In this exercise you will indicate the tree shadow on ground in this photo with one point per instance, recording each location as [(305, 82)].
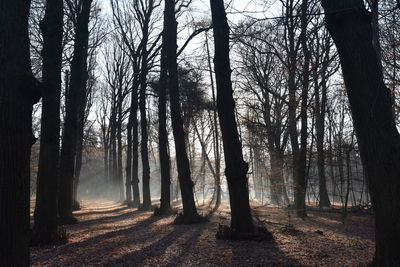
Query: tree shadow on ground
[(112, 218), (94, 247), (167, 250), (81, 213), (351, 227), (253, 253)]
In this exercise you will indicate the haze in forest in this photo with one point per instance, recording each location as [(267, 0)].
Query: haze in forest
[(233, 117)]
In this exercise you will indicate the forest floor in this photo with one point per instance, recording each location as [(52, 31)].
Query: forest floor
[(109, 234)]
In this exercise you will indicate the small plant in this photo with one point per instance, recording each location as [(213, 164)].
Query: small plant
[(288, 227), (354, 241)]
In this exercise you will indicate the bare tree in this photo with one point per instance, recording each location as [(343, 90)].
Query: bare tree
[(46, 229), (74, 95), (242, 226), (19, 91), (371, 107), (190, 214)]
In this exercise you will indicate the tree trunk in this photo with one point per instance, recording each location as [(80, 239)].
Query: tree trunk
[(129, 150), (144, 150), (165, 201), (45, 231), (128, 168), (217, 155), (78, 164), (236, 168), (300, 177), (113, 149), (19, 91), (370, 103), (320, 108), (120, 175), (77, 83), (79, 148), (277, 186), (105, 156), (184, 176), (135, 157)]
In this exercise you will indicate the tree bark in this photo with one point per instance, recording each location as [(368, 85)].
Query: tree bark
[(46, 227), (301, 166), (370, 101), (120, 177), (236, 167), (77, 83), (217, 155), (19, 91), (144, 150), (165, 201), (135, 157), (79, 148), (129, 150), (320, 110), (277, 186), (182, 161)]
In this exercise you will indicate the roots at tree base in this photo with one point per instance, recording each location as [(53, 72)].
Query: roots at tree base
[(141, 207), (260, 234), (182, 218), (130, 204), (67, 220), (165, 211), (127, 203), (76, 206), (54, 238)]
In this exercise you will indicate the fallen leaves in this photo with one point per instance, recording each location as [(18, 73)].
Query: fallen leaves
[(111, 235)]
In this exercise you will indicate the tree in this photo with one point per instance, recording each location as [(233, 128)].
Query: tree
[(19, 91), (216, 143), (242, 225), (300, 153), (165, 166), (77, 88), (144, 19), (322, 69), (371, 107), (141, 47), (263, 79), (190, 214), (46, 229)]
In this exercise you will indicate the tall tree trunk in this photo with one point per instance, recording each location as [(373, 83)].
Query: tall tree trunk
[(186, 185), (46, 230), (113, 150), (300, 177), (217, 154), (144, 150), (165, 201), (129, 150), (79, 148), (119, 151), (19, 91), (77, 83), (236, 168), (277, 187), (78, 163), (135, 157), (370, 103), (105, 139), (320, 108), (132, 182), (292, 116)]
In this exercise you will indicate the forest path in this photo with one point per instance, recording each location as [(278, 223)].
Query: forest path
[(109, 234)]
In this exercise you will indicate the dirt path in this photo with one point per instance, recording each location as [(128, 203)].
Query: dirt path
[(111, 235)]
